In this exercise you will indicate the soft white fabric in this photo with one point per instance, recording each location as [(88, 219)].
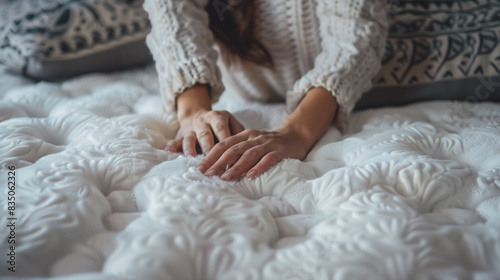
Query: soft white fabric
[(407, 193), (334, 44)]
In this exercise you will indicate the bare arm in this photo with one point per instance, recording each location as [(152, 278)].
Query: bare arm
[(193, 100), (312, 117)]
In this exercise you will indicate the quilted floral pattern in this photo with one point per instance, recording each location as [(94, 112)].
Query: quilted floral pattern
[(407, 193)]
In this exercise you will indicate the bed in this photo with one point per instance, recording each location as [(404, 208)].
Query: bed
[(407, 192)]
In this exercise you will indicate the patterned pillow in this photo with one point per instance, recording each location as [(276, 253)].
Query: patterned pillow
[(50, 39), (439, 50)]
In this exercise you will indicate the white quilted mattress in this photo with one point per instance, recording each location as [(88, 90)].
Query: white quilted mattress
[(405, 193)]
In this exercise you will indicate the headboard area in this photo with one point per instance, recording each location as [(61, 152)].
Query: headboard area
[(439, 50)]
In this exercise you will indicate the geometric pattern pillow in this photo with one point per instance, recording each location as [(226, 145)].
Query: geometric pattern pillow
[(56, 34), (434, 46)]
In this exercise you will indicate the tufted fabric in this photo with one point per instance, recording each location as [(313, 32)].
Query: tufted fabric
[(407, 193)]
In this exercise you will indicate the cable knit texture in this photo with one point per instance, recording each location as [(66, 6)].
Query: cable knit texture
[(332, 44)]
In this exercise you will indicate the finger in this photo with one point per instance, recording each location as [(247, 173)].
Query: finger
[(229, 158), (174, 146), (189, 144), (268, 161), (248, 160), (216, 152), (235, 125), (220, 127), (205, 138)]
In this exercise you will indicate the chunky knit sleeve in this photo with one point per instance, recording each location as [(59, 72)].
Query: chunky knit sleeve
[(182, 46), (353, 35)]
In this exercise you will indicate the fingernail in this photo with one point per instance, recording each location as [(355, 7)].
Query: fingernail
[(210, 173), (201, 168), (227, 176), (252, 175)]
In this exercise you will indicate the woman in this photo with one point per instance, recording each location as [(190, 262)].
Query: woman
[(317, 55)]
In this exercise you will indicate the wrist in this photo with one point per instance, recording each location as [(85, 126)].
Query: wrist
[(311, 118), (298, 133), (191, 113), (193, 101)]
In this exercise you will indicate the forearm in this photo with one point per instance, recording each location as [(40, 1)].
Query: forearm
[(312, 117)]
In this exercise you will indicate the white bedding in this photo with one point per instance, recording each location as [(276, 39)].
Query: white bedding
[(405, 193)]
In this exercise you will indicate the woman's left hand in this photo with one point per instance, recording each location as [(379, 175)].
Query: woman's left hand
[(252, 152)]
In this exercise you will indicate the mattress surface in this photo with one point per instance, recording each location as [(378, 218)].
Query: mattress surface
[(404, 193)]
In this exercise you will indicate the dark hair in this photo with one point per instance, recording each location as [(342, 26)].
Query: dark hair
[(237, 36)]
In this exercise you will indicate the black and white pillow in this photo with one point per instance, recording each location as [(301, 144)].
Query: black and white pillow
[(56, 39), (439, 50)]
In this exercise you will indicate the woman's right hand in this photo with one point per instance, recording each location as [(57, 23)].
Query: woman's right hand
[(203, 128), (199, 124)]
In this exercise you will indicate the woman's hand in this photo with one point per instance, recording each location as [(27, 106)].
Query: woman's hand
[(252, 152), (199, 125), (203, 128)]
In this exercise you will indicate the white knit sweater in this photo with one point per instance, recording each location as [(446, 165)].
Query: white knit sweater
[(334, 44)]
